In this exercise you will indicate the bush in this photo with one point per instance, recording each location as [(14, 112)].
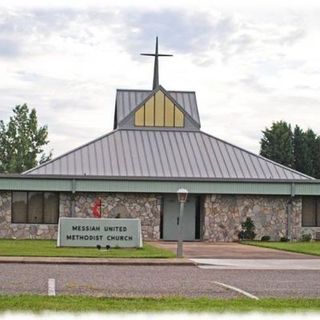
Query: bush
[(247, 232), (306, 237), (284, 239), (265, 238)]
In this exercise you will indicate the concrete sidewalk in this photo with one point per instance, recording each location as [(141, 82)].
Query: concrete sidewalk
[(230, 250), (99, 261), (258, 264)]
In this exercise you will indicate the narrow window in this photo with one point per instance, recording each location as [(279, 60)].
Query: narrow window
[(149, 112), (178, 118), (169, 113), (51, 207), (159, 109), (19, 207), (318, 212), (35, 207), (139, 117), (310, 212)]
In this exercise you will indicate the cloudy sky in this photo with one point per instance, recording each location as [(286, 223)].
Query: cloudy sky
[(249, 65)]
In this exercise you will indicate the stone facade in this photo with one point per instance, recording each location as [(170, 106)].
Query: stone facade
[(10, 230), (223, 215), (220, 219), (144, 206), (147, 207)]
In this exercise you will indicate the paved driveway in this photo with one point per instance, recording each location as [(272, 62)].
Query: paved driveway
[(222, 250)]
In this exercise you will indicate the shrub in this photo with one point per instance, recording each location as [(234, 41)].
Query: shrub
[(284, 239), (265, 238), (306, 237), (247, 232)]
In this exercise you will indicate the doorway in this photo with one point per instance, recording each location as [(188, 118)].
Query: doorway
[(170, 218)]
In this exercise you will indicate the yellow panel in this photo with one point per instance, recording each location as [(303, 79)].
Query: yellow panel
[(159, 109), (139, 117), (149, 106), (178, 118), (169, 113)]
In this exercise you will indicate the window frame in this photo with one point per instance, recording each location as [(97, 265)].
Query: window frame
[(316, 201), (143, 123), (43, 205)]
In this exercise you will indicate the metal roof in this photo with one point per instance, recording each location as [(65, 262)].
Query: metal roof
[(128, 100), (170, 154)]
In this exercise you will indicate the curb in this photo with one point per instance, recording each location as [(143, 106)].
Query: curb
[(99, 261)]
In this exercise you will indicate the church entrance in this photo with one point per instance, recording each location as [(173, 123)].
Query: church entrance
[(170, 218)]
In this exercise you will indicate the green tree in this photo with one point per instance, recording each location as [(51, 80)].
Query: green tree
[(22, 141), (277, 143), (317, 158), (310, 140), (300, 150)]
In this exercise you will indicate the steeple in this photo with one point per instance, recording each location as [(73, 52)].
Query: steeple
[(156, 56)]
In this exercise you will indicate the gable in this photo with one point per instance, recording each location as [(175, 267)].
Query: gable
[(159, 111), (128, 100)]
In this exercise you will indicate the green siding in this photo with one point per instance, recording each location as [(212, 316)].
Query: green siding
[(35, 184), (86, 185)]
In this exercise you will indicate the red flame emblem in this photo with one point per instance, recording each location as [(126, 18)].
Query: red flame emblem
[(96, 210)]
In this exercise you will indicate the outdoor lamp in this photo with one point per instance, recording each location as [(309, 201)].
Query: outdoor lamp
[(182, 195), (182, 198)]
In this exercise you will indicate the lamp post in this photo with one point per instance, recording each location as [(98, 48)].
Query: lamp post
[(182, 198)]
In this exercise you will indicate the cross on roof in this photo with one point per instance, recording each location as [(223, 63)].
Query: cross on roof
[(156, 55)]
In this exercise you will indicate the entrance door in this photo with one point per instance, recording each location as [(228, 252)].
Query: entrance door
[(171, 208)]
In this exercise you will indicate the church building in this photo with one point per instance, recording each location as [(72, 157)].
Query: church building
[(134, 171)]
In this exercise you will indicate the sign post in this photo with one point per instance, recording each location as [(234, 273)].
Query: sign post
[(182, 198)]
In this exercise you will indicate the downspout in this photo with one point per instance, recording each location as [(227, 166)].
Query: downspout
[(73, 188), (289, 211)]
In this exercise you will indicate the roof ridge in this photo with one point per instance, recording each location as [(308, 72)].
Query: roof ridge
[(258, 155)]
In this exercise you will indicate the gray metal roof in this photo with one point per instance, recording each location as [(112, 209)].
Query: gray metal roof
[(128, 100), (166, 154)]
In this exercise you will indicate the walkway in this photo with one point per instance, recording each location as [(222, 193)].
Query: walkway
[(227, 250)]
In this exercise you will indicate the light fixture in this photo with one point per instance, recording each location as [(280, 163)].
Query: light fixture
[(182, 195)]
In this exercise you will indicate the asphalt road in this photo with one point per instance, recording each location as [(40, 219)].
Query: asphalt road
[(156, 281)]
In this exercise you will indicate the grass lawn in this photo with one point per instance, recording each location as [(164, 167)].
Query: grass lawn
[(36, 303), (300, 247), (47, 248)]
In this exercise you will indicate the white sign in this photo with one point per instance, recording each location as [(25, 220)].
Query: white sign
[(91, 232)]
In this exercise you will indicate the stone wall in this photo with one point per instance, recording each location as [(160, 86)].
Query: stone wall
[(147, 207), (144, 206), (10, 230), (223, 215), (220, 219)]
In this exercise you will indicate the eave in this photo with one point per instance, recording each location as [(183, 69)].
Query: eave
[(104, 184)]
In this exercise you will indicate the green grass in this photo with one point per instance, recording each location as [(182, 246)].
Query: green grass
[(36, 303), (47, 248), (300, 247)]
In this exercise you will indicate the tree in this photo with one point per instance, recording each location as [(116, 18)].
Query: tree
[(277, 143), (317, 158), (300, 150), (310, 140), (22, 141)]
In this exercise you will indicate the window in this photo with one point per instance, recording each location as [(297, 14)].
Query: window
[(19, 207), (159, 111), (35, 207), (311, 212)]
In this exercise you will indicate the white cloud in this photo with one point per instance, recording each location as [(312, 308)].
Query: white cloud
[(249, 65)]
